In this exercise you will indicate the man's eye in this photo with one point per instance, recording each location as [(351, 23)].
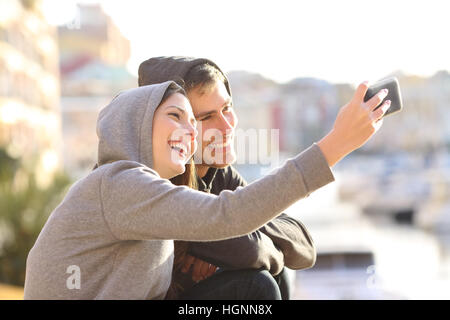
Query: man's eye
[(176, 115), (227, 108), (205, 118)]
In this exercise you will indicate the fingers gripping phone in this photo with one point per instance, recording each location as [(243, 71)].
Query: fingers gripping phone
[(394, 94)]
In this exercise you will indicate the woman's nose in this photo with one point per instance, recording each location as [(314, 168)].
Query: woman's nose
[(192, 131)]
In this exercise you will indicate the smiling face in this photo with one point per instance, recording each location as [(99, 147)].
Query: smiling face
[(213, 109), (174, 132)]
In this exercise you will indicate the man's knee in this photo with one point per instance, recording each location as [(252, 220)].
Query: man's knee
[(264, 285)]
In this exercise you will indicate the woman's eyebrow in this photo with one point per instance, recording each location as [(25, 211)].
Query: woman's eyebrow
[(182, 111), (177, 107)]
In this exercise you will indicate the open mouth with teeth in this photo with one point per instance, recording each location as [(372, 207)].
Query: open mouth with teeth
[(180, 148), (220, 145)]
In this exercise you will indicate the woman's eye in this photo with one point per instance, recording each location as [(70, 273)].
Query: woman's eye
[(176, 115)]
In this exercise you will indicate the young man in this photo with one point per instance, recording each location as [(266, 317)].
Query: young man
[(252, 266)]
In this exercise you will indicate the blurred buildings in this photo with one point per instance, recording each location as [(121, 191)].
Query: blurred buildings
[(391, 197), (402, 174), (29, 87), (93, 61), (38, 95), (302, 109), (305, 109)]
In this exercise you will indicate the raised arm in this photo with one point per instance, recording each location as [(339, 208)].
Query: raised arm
[(137, 204)]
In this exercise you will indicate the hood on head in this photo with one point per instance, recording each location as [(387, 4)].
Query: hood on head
[(124, 127), (160, 69)]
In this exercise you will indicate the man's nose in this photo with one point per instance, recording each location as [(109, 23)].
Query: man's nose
[(225, 123)]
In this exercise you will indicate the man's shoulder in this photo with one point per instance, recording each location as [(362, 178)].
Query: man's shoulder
[(227, 172), (227, 178)]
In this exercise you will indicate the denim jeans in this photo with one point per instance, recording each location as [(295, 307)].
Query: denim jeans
[(247, 284)]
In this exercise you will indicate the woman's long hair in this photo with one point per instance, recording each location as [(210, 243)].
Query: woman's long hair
[(188, 178)]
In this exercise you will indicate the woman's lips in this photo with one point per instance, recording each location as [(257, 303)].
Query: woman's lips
[(181, 148)]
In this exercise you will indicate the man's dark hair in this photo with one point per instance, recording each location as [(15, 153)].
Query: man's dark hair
[(202, 77), (190, 73)]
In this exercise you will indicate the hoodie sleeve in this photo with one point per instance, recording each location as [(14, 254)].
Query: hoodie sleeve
[(252, 251), (283, 241), (138, 205), (293, 239)]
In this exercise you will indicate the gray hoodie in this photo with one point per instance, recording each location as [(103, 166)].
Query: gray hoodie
[(112, 235)]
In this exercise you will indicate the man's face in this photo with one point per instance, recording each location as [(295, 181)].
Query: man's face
[(216, 121)]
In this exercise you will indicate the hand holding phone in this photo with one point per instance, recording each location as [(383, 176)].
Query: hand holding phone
[(394, 94), (356, 122)]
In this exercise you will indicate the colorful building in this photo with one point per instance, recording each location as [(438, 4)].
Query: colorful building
[(93, 58), (30, 125)]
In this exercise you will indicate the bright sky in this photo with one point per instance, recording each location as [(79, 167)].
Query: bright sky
[(339, 41)]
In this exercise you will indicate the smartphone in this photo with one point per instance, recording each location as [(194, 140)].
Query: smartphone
[(394, 94)]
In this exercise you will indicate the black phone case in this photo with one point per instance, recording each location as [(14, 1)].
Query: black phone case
[(394, 94)]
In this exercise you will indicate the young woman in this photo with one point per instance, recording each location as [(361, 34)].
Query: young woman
[(112, 235)]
